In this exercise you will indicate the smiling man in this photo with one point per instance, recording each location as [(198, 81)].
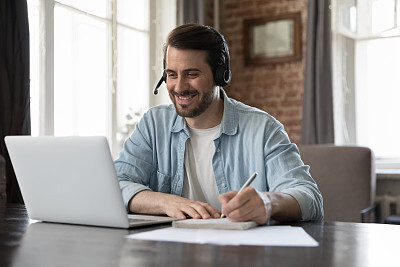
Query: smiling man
[(190, 158), (192, 89)]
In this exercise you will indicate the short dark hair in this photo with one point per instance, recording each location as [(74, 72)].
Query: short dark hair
[(198, 37)]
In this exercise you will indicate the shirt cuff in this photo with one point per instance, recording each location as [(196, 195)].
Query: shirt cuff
[(129, 190)]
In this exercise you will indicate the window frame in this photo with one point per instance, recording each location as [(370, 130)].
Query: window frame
[(346, 50), (158, 29)]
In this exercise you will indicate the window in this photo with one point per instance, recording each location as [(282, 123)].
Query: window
[(366, 37), (94, 64)]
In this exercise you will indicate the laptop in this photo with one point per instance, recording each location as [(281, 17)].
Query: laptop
[(71, 180)]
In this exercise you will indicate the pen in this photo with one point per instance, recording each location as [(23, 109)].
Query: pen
[(246, 184)]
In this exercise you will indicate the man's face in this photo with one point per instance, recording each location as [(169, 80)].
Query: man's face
[(190, 82)]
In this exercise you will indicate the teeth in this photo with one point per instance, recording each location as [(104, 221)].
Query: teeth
[(185, 98)]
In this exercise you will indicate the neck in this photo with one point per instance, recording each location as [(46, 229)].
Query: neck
[(209, 118)]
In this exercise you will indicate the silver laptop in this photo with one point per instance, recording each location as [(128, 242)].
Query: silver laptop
[(71, 180)]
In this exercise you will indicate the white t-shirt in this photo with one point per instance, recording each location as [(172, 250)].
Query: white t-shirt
[(199, 181)]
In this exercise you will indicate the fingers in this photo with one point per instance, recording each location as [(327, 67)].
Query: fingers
[(231, 201), (214, 213), (225, 198), (179, 207), (197, 210), (201, 210), (247, 206), (252, 210)]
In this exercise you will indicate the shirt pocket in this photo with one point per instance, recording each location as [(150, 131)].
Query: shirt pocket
[(164, 183)]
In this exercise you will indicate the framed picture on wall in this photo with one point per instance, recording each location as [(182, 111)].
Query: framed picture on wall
[(274, 39)]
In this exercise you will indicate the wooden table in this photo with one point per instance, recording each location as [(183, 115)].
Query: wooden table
[(47, 244)]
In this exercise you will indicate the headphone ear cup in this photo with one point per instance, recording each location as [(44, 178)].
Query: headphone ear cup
[(222, 76), (219, 76)]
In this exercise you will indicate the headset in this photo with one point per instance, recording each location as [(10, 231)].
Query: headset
[(222, 75)]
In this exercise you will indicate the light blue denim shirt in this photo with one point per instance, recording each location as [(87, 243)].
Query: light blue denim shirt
[(249, 140)]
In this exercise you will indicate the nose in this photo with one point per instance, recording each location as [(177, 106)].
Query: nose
[(178, 84)]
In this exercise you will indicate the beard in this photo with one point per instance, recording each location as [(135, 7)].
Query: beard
[(191, 112)]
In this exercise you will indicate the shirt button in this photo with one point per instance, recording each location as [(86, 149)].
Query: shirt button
[(223, 185), (218, 149)]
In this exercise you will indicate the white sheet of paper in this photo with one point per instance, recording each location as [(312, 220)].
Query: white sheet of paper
[(259, 236)]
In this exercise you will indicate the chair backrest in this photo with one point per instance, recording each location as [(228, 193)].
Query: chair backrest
[(346, 177)]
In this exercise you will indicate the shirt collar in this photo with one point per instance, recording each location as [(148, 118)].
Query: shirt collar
[(229, 123)]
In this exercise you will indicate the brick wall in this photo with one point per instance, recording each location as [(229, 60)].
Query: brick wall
[(275, 88)]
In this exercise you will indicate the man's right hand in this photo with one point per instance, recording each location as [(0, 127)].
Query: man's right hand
[(155, 203)]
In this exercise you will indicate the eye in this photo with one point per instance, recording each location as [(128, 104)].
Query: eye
[(192, 74), (171, 75)]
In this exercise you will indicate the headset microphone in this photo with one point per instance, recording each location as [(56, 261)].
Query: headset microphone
[(163, 79), (158, 85)]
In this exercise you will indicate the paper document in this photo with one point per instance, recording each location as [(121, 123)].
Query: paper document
[(223, 223), (259, 236)]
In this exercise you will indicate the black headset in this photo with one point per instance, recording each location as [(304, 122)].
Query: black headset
[(222, 75)]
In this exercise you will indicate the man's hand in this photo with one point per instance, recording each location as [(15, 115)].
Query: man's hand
[(246, 206), (148, 202), (251, 205)]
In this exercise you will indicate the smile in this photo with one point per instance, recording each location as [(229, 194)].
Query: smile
[(185, 97)]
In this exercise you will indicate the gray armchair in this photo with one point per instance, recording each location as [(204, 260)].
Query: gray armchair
[(346, 177)]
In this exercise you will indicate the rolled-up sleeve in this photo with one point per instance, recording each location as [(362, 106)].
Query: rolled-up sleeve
[(134, 164), (286, 173)]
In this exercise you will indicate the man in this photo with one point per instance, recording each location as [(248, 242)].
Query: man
[(190, 158)]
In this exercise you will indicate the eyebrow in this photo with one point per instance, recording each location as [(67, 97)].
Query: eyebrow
[(185, 70)]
